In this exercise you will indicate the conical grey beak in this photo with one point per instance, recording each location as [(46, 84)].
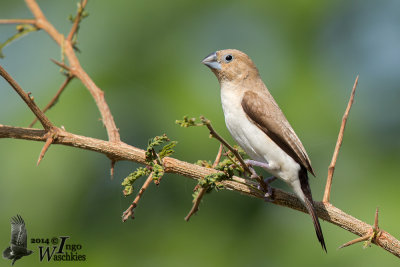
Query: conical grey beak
[(211, 61)]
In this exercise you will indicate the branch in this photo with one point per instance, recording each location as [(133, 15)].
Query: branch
[(55, 98), (196, 203), (122, 151), (76, 69), (75, 26), (28, 100), (331, 168), (18, 21), (203, 190), (129, 212)]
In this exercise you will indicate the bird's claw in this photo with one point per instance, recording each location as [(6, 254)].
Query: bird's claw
[(268, 194)]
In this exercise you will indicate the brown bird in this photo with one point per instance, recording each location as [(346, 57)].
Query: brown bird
[(258, 125)]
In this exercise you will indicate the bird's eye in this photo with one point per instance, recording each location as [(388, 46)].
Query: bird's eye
[(228, 58)]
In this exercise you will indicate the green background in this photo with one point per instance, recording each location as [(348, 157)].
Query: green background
[(146, 56)]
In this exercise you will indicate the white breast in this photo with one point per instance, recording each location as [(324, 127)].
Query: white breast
[(253, 140)]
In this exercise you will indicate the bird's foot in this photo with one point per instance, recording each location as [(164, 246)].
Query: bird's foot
[(268, 191), (264, 185), (251, 163)]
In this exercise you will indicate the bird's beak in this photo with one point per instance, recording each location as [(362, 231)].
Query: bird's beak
[(211, 61)]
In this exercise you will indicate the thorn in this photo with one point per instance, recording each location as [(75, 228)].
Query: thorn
[(60, 64), (354, 241), (112, 168), (46, 146), (376, 226), (219, 154), (372, 236)]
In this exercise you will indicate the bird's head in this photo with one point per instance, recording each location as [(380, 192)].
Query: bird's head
[(231, 65)]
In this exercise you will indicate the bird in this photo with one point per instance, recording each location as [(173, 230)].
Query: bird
[(258, 125), (18, 244)]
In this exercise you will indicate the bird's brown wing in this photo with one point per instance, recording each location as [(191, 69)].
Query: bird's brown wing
[(262, 109)]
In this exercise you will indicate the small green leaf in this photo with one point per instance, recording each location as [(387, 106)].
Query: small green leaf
[(131, 178), (188, 122), (158, 172), (167, 150)]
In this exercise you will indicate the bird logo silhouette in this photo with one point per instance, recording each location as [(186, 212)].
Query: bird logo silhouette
[(18, 244)]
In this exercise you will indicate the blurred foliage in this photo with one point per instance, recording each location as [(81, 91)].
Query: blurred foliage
[(153, 162), (146, 56)]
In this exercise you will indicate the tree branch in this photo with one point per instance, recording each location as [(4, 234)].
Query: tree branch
[(55, 98), (75, 26), (122, 151), (17, 21), (76, 69), (28, 100), (129, 212)]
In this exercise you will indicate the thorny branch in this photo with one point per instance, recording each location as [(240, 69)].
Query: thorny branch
[(123, 151), (203, 190), (75, 26), (55, 98), (372, 236), (331, 168), (129, 212), (115, 149), (40, 21), (28, 100)]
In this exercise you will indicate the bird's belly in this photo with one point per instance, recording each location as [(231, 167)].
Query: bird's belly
[(260, 147)]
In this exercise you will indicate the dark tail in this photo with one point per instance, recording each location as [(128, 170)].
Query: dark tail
[(305, 187), (7, 253)]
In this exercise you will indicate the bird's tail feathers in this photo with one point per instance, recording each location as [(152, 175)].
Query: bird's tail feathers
[(305, 187), (7, 253), (317, 226)]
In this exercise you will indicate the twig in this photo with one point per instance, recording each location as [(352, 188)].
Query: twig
[(235, 152), (22, 30), (18, 21), (203, 190), (218, 158), (74, 29), (331, 168), (55, 98), (47, 125), (196, 203), (62, 65), (226, 144), (129, 212)]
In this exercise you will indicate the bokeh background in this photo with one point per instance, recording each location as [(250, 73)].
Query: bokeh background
[(146, 56)]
